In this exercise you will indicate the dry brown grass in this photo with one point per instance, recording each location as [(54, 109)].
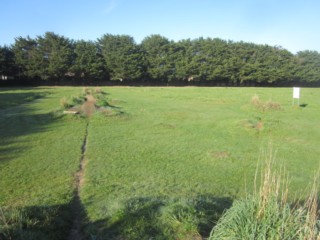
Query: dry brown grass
[(313, 212), (274, 186), (264, 106), (98, 90), (106, 111), (270, 186), (64, 103), (220, 154), (269, 105), (267, 213), (259, 126), (255, 100), (86, 90)]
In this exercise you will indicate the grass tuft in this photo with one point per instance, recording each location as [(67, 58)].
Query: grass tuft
[(17, 223), (161, 218), (98, 90), (267, 214), (270, 105), (264, 106), (64, 103), (255, 100), (86, 91)]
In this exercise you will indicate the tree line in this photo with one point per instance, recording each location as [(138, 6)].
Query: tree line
[(118, 58)]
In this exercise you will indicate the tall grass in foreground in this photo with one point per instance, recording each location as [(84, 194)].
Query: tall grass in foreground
[(14, 224), (51, 223), (266, 214)]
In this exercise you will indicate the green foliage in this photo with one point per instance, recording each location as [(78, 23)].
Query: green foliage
[(7, 65), (279, 221), (184, 220), (117, 57), (89, 63), (56, 53), (27, 58), (158, 50), (122, 57), (308, 69), (46, 57)]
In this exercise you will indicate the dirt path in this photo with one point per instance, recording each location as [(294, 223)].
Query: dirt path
[(88, 108), (76, 205)]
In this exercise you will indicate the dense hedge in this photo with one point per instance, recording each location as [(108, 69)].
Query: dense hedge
[(155, 61)]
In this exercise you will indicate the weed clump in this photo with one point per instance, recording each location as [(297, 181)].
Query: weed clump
[(270, 105), (86, 91), (264, 106), (46, 223), (98, 90), (256, 123), (267, 214), (255, 100), (64, 103)]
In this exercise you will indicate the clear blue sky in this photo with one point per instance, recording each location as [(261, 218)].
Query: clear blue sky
[(292, 24)]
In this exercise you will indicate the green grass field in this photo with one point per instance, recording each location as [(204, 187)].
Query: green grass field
[(165, 166)]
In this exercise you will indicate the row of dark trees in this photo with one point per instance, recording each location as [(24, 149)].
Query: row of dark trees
[(156, 59)]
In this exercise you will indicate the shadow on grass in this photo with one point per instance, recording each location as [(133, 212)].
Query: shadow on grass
[(20, 120), (35, 222), (303, 105), (141, 218), (11, 99), (160, 218)]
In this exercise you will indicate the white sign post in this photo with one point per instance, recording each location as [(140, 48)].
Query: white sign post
[(296, 95)]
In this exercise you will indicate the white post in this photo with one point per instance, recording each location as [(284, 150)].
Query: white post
[(296, 95)]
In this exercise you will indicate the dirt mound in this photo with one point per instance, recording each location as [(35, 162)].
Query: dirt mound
[(90, 99), (89, 107), (90, 104)]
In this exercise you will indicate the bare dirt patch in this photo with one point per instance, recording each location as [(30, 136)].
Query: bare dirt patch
[(220, 154), (88, 109)]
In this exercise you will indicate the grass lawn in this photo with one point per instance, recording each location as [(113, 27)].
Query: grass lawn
[(190, 146), (40, 153), (166, 166)]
